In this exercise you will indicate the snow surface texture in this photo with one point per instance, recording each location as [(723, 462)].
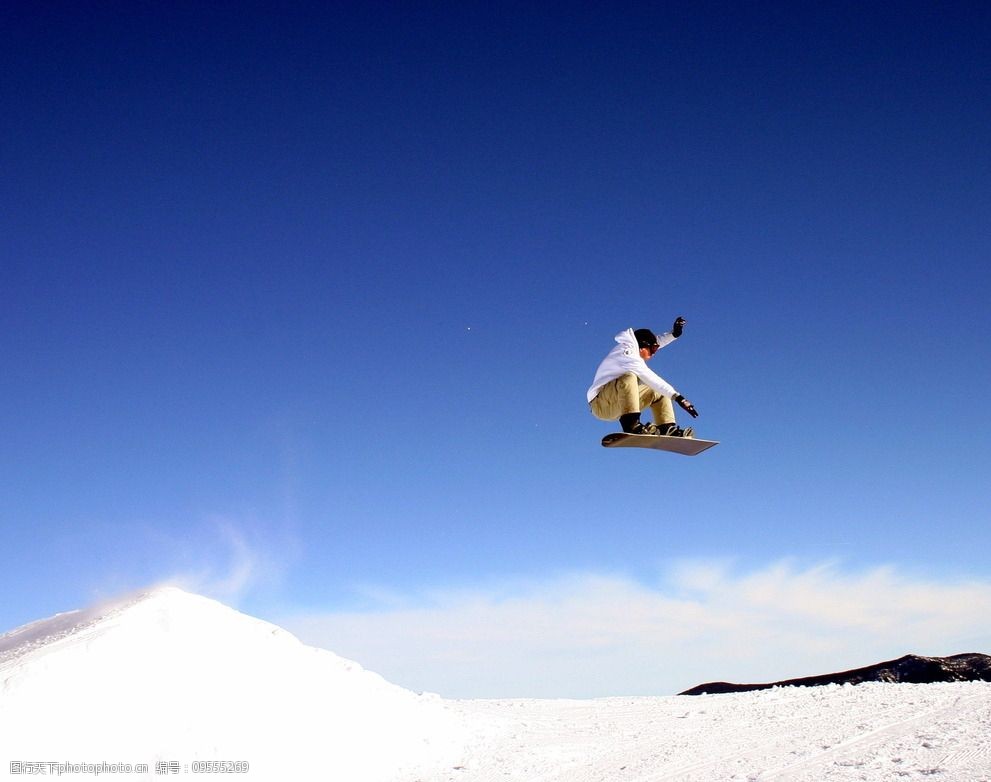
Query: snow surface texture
[(171, 677)]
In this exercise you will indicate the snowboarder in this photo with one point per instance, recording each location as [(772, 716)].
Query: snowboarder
[(624, 385)]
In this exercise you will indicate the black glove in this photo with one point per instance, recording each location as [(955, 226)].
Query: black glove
[(687, 406), (679, 326)]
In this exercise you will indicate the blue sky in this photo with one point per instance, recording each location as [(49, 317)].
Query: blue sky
[(299, 307)]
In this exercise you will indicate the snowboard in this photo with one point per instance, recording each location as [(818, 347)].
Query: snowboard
[(686, 446)]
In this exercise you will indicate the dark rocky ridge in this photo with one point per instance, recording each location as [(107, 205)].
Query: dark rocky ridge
[(910, 669)]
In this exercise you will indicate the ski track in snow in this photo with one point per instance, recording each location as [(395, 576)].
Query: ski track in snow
[(869, 732)]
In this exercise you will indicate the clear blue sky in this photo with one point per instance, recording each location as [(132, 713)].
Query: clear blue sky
[(304, 301)]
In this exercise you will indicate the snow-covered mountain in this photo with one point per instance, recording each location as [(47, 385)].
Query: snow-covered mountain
[(176, 682), (172, 678), (911, 668)]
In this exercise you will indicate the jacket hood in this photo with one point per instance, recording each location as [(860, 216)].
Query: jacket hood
[(626, 338)]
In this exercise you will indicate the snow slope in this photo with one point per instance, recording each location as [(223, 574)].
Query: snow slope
[(172, 677), (169, 677), (866, 732)]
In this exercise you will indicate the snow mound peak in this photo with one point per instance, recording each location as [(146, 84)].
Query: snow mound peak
[(74, 626), (169, 676)]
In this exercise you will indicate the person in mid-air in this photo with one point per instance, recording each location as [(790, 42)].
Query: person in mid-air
[(624, 385)]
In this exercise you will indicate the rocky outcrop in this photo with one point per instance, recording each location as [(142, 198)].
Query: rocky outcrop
[(911, 669)]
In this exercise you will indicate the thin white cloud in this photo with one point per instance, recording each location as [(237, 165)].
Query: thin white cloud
[(229, 562), (600, 634)]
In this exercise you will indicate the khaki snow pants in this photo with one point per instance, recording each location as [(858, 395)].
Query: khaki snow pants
[(626, 394)]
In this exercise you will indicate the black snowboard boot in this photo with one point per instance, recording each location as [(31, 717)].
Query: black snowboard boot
[(630, 423)]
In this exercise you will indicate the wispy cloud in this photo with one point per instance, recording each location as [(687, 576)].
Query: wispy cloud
[(229, 559), (599, 634)]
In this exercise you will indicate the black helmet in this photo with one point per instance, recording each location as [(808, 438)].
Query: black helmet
[(645, 338)]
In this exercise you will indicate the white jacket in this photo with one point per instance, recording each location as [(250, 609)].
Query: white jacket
[(625, 357)]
